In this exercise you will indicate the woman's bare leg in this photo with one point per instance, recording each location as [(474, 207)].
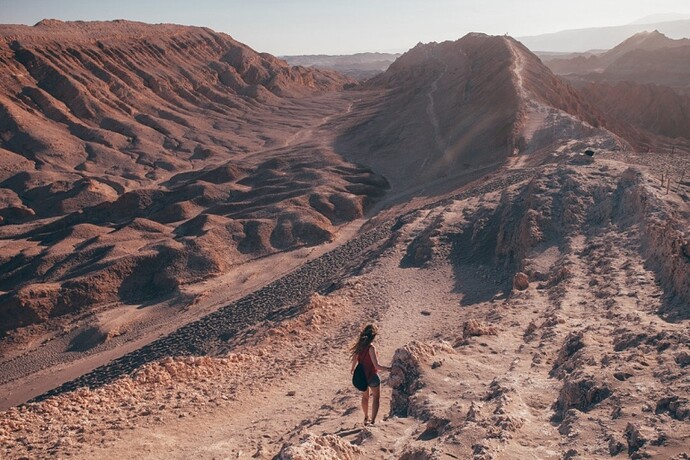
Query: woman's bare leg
[(365, 404), (375, 393)]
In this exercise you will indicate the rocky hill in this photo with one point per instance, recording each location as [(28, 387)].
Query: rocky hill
[(642, 41), (136, 158), (442, 115), (639, 87), (651, 110)]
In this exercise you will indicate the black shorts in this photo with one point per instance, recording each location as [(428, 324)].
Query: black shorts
[(375, 381)]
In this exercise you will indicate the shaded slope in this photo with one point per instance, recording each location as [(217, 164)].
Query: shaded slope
[(668, 66), (440, 115), (643, 111)]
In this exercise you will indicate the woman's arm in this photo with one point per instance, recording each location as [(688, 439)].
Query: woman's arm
[(375, 361)]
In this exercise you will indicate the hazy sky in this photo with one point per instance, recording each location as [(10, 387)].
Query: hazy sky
[(284, 27)]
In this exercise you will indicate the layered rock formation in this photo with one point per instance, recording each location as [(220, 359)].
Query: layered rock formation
[(644, 113)]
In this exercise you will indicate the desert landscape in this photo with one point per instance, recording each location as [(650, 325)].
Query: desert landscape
[(192, 234), (360, 66)]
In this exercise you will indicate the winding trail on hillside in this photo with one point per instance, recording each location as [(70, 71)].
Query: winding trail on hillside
[(534, 116), (517, 68), (433, 116)]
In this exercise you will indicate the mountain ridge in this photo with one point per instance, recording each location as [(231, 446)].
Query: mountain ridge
[(642, 42), (477, 122), (582, 40)]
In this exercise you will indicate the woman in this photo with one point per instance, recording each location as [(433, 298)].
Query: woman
[(364, 352)]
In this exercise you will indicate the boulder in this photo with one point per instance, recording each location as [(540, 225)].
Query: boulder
[(474, 328), (581, 392), (520, 281)]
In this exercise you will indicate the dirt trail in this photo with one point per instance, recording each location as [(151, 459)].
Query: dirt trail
[(518, 68), (534, 114), (411, 307), (441, 145), (530, 123)]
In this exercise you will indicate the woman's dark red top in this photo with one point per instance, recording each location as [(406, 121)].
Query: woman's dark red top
[(364, 358)]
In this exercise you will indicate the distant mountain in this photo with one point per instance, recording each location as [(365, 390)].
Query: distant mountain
[(663, 17), (360, 65), (581, 40), (589, 62), (646, 57), (648, 41)]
